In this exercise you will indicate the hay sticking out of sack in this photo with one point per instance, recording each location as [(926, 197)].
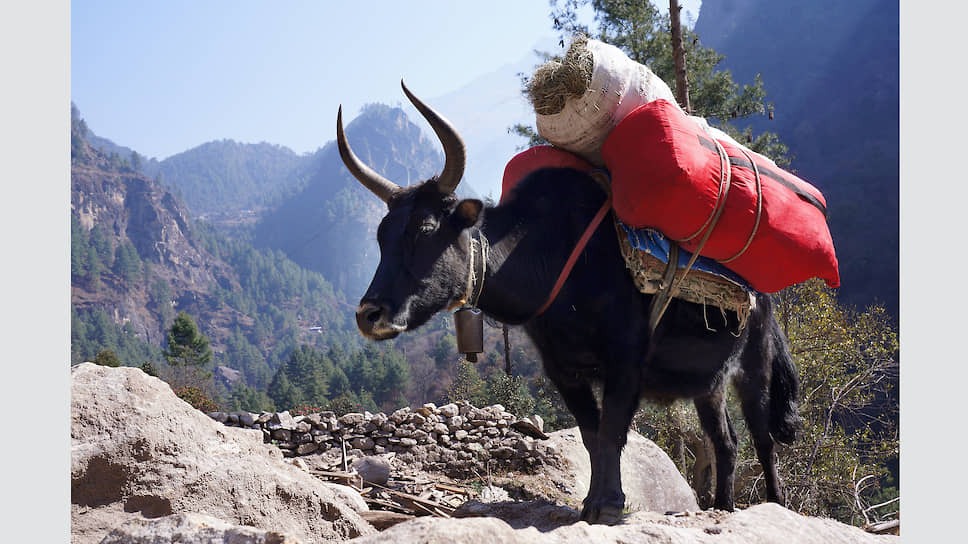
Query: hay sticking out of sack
[(554, 82)]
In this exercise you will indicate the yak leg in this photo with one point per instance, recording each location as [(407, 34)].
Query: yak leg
[(580, 400), (605, 502), (754, 394), (715, 422)]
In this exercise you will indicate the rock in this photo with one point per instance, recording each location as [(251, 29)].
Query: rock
[(650, 479), (314, 419), (399, 416), (503, 452), (284, 419), (194, 529), (283, 435), (529, 427), (373, 468), (538, 422), (490, 493), (449, 410), (246, 418), (540, 514), (138, 451), (382, 520), (308, 447), (362, 443), (454, 423), (352, 419), (417, 419), (543, 523), (379, 419)]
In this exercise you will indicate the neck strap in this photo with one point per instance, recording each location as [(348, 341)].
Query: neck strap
[(477, 249)]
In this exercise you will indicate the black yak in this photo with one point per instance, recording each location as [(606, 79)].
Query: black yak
[(439, 252)]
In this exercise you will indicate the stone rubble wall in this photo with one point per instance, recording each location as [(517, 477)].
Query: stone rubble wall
[(454, 439)]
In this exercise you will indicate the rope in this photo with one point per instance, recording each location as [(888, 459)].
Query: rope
[(472, 294), (759, 209), (482, 246), (661, 301)]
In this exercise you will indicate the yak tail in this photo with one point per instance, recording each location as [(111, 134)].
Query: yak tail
[(785, 420)]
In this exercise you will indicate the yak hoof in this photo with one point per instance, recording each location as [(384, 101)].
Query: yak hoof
[(602, 514)]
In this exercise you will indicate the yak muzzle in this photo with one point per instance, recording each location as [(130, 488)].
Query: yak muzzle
[(373, 322)]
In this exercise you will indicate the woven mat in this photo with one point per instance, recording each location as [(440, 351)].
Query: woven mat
[(707, 283)]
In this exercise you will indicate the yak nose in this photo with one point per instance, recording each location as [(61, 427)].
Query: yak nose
[(369, 314)]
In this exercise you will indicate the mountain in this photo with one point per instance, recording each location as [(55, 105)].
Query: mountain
[(832, 71), (225, 177), (137, 258), (329, 226), (223, 181)]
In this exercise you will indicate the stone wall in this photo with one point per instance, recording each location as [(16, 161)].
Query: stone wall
[(454, 439)]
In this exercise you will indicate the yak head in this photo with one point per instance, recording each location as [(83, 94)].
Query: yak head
[(425, 238)]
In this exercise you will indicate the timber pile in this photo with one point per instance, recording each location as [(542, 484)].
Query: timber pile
[(398, 496)]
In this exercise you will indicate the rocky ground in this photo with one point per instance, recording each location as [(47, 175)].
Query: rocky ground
[(146, 467)]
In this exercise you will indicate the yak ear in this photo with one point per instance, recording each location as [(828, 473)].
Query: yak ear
[(467, 213)]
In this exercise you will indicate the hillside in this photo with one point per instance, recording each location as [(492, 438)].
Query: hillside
[(224, 182), (835, 88), (225, 178), (137, 259)]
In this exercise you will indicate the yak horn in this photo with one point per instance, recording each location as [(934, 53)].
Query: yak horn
[(455, 155), (380, 186)]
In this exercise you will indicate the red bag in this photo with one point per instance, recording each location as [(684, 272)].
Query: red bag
[(537, 157), (666, 174)]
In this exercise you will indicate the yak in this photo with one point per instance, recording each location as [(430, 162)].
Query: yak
[(439, 252)]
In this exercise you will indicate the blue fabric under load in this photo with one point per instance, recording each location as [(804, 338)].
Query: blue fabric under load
[(656, 244)]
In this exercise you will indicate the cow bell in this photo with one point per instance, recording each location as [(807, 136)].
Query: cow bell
[(469, 323)]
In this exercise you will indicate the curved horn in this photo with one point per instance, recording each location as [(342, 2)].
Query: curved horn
[(454, 154), (380, 186)]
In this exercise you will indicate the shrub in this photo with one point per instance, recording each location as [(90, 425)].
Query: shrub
[(194, 396)]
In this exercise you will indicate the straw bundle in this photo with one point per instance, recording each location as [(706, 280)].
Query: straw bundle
[(581, 98)]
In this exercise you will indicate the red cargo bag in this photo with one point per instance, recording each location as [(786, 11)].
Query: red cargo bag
[(667, 174), (535, 158)]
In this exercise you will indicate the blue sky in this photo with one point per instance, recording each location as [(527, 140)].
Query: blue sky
[(162, 77)]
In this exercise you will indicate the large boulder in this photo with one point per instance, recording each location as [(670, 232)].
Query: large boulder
[(650, 479), (138, 451), (194, 529), (761, 524)]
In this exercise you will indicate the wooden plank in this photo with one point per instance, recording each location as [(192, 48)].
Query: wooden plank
[(451, 488)]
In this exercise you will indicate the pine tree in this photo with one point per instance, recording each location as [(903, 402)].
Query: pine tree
[(187, 347)]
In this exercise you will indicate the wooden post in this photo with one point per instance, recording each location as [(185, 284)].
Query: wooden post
[(507, 352), (679, 56)]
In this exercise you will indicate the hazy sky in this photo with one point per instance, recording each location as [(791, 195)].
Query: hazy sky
[(162, 77)]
